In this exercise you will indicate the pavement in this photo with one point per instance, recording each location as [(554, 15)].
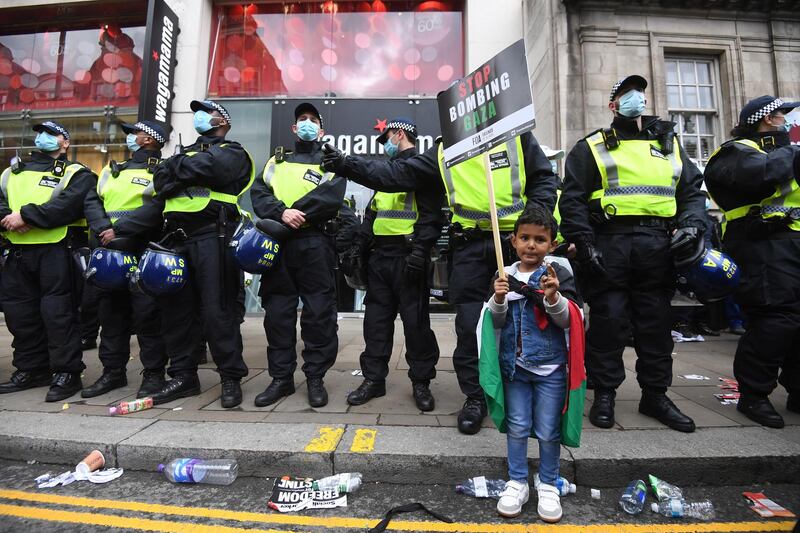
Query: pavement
[(388, 439)]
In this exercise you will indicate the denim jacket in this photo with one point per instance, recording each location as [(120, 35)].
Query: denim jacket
[(521, 341)]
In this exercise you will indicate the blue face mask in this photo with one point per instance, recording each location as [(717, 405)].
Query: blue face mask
[(46, 142), (202, 121), (787, 125), (708, 204), (130, 140), (631, 104), (307, 130), (390, 148)]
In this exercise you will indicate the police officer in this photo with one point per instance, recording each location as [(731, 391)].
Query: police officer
[(625, 188), (522, 175), (307, 264), (754, 179), (201, 187), (41, 205), (123, 208), (401, 227)]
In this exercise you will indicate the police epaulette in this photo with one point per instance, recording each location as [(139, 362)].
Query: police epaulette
[(438, 140), (598, 130), (115, 168), (279, 154)]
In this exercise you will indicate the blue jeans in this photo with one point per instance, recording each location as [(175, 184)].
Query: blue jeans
[(534, 401)]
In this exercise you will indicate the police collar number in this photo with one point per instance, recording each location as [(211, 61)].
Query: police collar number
[(499, 160), (312, 176), (49, 181), (141, 181)]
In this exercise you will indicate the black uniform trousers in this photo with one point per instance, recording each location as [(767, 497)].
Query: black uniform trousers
[(388, 293), (197, 309), (123, 313), (634, 297), (89, 311), (769, 294), (305, 270), (40, 300), (473, 266)]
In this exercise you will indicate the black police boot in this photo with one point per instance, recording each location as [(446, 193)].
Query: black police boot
[(472, 414), (152, 382), (602, 412), (89, 343), (793, 402), (231, 393), (366, 391), (317, 395), (759, 409), (22, 380), (660, 407), (178, 387), (112, 378), (64, 385), (422, 396), (275, 391)]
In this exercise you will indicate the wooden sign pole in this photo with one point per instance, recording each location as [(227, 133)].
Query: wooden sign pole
[(498, 249)]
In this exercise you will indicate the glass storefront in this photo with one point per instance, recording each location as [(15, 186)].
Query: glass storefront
[(336, 49)]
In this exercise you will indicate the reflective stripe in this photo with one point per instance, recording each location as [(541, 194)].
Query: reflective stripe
[(612, 176), (4, 181), (101, 182), (119, 214), (513, 158), (203, 192), (784, 189), (677, 167), (480, 215), (403, 215), (269, 171), (448, 177), (651, 190), (791, 212)]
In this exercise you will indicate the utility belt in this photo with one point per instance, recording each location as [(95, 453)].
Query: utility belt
[(329, 228), (458, 233), (627, 223), (393, 241), (753, 226)]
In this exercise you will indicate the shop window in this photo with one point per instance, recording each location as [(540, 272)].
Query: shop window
[(345, 49), (693, 105)]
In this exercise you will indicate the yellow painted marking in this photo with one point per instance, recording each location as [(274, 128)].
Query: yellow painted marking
[(143, 524), (395, 525), (327, 441), (364, 441)]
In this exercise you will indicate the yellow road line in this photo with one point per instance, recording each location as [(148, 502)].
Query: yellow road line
[(327, 441), (364, 441), (396, 525), (143, 524)]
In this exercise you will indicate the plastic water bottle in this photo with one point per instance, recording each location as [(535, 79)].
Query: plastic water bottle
[(123, 408), (664, 490), (702, 510), (212, 472), (480, 487), (562, 484), (632, 500), (346, 482)]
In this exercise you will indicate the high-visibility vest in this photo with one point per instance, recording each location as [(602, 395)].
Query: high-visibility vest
[(785, 202), (291, 181), (468, 197), (196, 198), (395, 213), (637, 179), (37, 187), (122, 195)]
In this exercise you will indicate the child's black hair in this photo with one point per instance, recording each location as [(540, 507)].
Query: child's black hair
[(538, 216)]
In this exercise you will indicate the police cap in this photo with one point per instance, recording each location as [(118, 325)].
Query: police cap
[(52, 127), (153, 129), (634, 79), (399, 123), (760, 107), (210, 105), (308, 107)]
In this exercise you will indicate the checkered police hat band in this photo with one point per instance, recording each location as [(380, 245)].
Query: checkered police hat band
[(614, 90), (402, 126), (150, 131), (222, 110), (59, 129), (764, 111)]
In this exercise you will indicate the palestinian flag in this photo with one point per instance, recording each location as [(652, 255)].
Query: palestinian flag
[(491, 378)]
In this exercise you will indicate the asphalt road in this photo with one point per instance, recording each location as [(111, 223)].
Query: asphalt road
[(147, 502)]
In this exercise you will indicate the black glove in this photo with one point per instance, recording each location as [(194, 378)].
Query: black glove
[(332, 158), (351, 260), (591, 258), (683, 240), (416, 262)]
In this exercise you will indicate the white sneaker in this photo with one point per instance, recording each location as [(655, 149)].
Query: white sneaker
[(549, 505), (513, 497)]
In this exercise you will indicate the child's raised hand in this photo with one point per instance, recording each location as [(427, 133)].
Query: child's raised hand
[(549, 284), (500, 290)]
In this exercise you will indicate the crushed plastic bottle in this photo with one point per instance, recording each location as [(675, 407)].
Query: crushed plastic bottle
[(480, 487), (211, 472), (680, 508), (632, 500), (663, 490), (346, 482), (562, 484), (123, 408)]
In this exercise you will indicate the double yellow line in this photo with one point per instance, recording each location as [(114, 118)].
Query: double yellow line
[(168, 526)]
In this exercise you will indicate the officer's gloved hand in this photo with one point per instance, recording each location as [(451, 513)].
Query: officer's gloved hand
[(416, 262), (332, 158), (683, 240), (350, 260), (591, 258)]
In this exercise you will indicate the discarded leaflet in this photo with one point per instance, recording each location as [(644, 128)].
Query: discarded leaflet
[(291, 494)]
